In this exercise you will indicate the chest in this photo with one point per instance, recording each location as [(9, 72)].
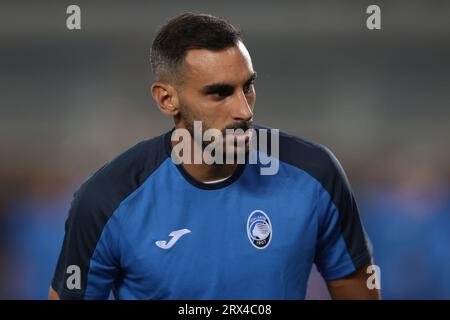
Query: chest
[(197, 244)]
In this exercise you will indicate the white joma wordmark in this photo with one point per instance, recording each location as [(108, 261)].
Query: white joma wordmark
[(175, 236)]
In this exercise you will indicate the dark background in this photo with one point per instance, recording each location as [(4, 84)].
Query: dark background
[(72, 100)]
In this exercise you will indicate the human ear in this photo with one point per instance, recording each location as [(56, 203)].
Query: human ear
[(166, 97)]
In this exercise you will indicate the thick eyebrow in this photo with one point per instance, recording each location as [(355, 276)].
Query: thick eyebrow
[(224, 87)]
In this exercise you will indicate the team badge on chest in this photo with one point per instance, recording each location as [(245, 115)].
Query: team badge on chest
[(259, 229)]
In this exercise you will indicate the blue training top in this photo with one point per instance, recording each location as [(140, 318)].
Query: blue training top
[(143, 228)]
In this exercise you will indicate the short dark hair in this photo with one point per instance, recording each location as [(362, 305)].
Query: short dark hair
[(188, 31)]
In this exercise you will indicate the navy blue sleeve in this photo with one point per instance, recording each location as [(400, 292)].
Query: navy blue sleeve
[(90, 256), (78, 267), (342, 245)]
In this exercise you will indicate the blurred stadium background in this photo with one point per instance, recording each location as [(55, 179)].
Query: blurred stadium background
[(72, 100)]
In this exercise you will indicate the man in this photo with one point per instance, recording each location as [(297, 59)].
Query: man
[(148, 228)]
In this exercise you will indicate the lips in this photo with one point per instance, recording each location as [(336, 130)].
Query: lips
[(242, 125), (243, 135)]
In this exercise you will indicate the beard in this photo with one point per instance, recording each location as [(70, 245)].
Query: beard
[(188, 118)]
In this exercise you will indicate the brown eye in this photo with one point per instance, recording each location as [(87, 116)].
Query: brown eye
[(247, 87), (223, 92)]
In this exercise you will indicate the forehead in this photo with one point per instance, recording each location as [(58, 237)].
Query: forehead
[(231, 65)]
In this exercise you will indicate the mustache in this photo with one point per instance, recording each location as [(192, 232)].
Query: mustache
[(244, 125)]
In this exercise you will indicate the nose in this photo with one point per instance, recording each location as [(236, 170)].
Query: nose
[(242, 110)]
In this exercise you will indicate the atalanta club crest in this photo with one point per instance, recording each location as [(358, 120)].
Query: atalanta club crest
[(259, 229)]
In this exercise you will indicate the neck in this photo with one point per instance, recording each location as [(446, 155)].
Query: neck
[(207, 172)]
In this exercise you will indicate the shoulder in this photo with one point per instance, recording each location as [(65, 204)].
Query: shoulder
[(100, 195), (315, 159)]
